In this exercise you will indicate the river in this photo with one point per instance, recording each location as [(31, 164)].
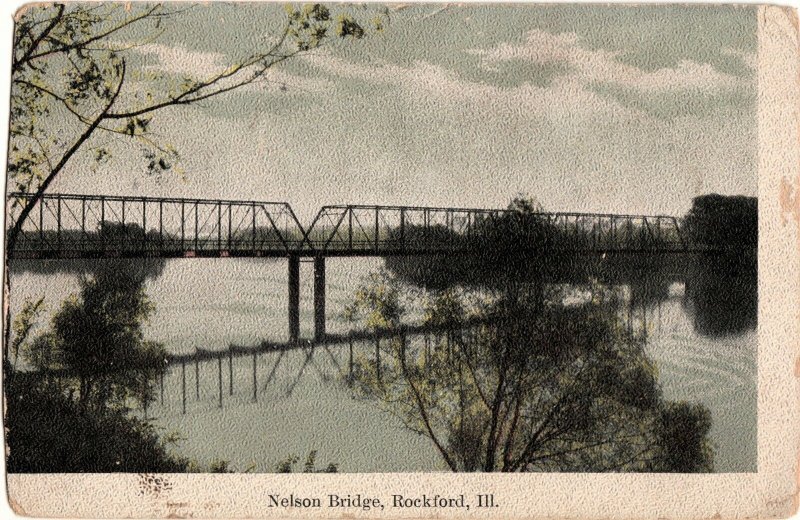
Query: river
[(301, 402)]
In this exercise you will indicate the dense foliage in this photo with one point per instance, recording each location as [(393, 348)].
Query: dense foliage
[(47, 431), (522, 242), (95, 348), (719, 220)]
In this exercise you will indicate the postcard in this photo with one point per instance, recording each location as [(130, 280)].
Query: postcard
[(402, 260)]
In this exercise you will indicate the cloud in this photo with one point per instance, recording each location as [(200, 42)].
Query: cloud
[(748, 58), (196, 65), (599, 66), (430, 83), (580, 81), (181, 61), (541, 47)]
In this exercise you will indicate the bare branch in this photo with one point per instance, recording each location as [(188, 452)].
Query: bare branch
[(65, 47), (28, 56), (425, 420), (188, 96)]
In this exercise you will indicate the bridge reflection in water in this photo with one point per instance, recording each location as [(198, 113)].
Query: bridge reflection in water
[(206, 379), (64, 226)]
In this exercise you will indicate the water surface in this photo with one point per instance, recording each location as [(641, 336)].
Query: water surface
[(301, 401)]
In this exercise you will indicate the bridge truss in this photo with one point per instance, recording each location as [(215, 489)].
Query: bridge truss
[(95, 226), (356, 230), (92, 226)]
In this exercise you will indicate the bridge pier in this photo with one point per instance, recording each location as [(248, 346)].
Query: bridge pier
[(319, 298), (294, 298)]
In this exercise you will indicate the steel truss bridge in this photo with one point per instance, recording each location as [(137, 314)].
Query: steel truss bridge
[(64, 226)]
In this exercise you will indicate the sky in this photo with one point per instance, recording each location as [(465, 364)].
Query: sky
[(633, 109)]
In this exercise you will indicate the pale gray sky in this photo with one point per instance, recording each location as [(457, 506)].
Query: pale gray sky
[(587, 108)]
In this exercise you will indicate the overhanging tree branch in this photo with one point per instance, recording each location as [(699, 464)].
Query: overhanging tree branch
[(12, 236), (80, 44), (28, 56)]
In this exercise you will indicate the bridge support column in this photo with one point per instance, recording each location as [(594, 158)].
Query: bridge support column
[(319, 298), (294, 298)]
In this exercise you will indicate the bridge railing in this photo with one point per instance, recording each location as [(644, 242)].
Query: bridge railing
[(386, 230), (68, 226)]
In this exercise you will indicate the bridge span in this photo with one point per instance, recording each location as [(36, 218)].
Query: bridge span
[(68, 226)]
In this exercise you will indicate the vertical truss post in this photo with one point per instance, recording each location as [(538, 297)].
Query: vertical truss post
[(631, 244), (230, 224), (41, 222), (183, 224), (577, 230), (124, 228), (219, 378), (83, 223), (612, 233), (658, 231), (447, 221), (253, 229), (58, 222), (403, 229), (161, 223), (103, 219), (230, 369), (219, 226), (377, 233), (196, 224), (124, 233), (349, 227), (679, 233), (144, 224), (183, 384), (599, 233), (255, 378)]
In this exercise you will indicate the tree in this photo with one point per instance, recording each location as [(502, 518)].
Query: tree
[(48, 432), (537, 387), (68, 72), (377, 303), (526, 204), (71, 412), (24, 323), (96, 344), (724, 221)]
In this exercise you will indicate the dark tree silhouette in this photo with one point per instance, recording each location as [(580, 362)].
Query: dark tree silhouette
[(719, 220)]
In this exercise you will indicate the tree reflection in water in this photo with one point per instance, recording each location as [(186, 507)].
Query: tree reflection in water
[(540, 385)]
